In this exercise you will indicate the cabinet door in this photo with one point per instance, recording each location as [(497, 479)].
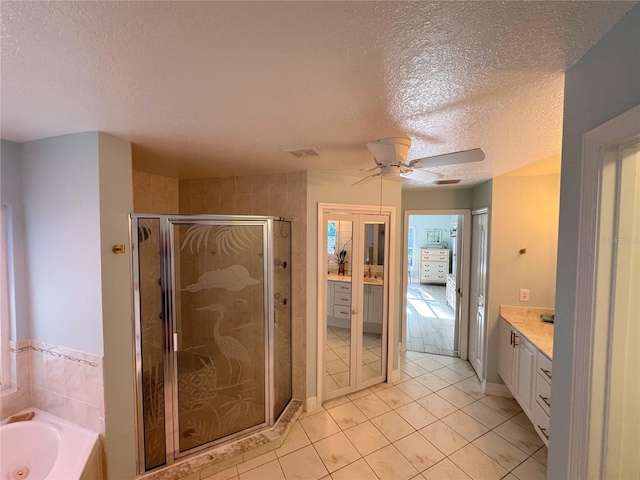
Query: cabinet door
[(506, 354), (375, 304), (525, 375)]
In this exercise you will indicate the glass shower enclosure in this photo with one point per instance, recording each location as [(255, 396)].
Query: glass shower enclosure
[(213, 330)]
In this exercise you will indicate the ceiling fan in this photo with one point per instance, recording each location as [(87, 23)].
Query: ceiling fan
[(390, 155)]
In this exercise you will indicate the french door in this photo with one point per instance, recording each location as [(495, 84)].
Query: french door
[(354, 255)]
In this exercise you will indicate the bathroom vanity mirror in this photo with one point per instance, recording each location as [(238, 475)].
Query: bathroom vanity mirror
[(374, 243)]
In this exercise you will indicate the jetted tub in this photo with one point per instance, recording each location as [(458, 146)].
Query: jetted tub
[(48, 447)]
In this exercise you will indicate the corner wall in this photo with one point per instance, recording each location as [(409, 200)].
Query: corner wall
[(524, 214), (602, 85)]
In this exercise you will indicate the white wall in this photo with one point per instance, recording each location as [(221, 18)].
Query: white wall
[(116, 203), (62, 223), (602, 85), (11, 194), (524, 214), (323, 187), (436, 199)]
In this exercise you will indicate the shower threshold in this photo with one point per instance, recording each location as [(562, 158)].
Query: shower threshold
[(221, 457)]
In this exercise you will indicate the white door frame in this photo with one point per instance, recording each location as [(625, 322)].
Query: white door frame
[(616, 131), (324, 208), (463, 287)]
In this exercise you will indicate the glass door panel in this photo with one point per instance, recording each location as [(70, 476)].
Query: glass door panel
[(152, 326), (220, 325), (338, 353), (373, 321)]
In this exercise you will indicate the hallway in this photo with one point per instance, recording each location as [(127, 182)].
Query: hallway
[(430, 322)]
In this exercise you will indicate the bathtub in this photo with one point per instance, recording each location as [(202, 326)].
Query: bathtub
[(48, 447)]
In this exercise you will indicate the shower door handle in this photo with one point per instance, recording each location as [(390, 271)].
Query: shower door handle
[(175, 341)]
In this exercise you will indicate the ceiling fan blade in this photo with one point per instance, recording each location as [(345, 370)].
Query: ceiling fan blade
[(423, 176), (365, 179), (383, 152), (453, 158)]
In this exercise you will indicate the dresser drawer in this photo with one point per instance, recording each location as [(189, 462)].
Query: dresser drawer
[(340, 298), (435, 258), (434, 277), (543, 392), (545, 367)]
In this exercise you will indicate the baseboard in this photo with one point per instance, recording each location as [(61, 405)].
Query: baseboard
[(497, 389), (311, 404)]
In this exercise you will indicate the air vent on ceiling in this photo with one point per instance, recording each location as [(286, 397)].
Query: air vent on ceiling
[(453, 181), (304, 152)]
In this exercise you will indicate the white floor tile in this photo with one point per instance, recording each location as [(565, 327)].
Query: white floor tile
[(303, 464), (531, 469), (446, 439), (394, 397), (413, 389), (419, 451), (366, 438), (415, 415), (389, 464), (455, 397), (296, 439), (268, 471), (500, 451), (372, 405), (445, 470), (436, 405), (319, 425), (359, 470), (476, 464), (485, 415), (465, 425), (336, 451), (347, 415), (392, 426), (522, 438)]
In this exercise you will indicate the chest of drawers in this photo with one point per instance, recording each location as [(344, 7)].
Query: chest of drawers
[(434, 265)]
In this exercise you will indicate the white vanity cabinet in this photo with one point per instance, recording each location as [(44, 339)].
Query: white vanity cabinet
[(339, 304), (373, 308), (434, 265), (526, 372)]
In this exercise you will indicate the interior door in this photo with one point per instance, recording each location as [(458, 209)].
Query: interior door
[(478, 291), (355, 346)]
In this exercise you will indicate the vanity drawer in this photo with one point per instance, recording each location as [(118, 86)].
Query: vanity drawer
[(541, 423), (341, 311), (342, 287), (545, 367), (340, 298), (543, 392)]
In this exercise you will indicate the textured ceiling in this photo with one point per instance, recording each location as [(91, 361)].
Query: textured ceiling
[(221, 88)]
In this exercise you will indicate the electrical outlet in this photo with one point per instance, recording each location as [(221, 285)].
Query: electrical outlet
[(524, 295)]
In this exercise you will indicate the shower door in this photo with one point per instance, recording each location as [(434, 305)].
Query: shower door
[(219, 337), (213, 328)]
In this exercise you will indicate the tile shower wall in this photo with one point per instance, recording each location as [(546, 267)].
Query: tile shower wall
[(154, 193), (280, 194)]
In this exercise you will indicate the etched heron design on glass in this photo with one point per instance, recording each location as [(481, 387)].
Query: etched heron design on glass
[(230, 347)]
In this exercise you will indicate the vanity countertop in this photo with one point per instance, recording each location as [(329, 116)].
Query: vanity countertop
[(334, 277), (527, 321)]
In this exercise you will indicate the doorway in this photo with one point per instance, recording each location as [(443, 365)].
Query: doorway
[(436, 281), (354, 266)]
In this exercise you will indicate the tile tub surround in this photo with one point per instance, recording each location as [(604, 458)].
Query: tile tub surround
[(17, 396), (528, 322), (62, 381), (216, 459)]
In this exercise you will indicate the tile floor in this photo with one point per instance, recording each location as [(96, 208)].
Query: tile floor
[(430, 321), (434, 424)]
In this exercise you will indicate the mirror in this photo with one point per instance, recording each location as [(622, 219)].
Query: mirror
[(374, 241)]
